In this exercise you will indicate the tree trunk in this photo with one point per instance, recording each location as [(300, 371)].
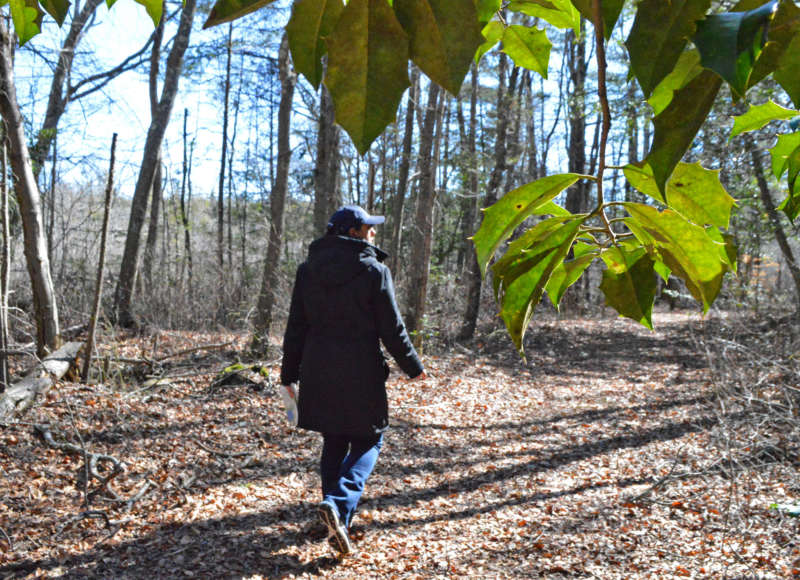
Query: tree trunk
[(326, 171), (123, 299), (5, 268), (473, 280), (419, 262), (774, 218), (269, 285), (223, 158), (472, 274), (44, 301), (155, 189), (186, 184), (402, 180), (577, 195), (98, 289)]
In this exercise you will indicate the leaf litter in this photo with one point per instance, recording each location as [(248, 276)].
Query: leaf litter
[(592, 459)]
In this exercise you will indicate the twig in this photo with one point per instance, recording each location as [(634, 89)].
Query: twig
[(83, 452), (195, 349), (8, 539), (222, 453)]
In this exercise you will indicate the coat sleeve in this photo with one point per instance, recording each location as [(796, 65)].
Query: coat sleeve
[(295, 336), (392, 330)]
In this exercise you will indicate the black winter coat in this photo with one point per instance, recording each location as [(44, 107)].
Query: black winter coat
[(342, 304)]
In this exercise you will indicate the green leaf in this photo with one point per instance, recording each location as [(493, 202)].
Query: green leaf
[(551, 208), (524, 276), (367, 69), (501, 219), (658, 37), (727, 246), (629, 283), (27, 18), (443, 37), (567, 273), (685, 248), (528, 48), (787, 508), (311, 22), (693, 191), (559, 13), (486, 9), (228, 10), (58, 9), (687, 68), (788, 72), (758, 116), (783, 30), (610, 9), (155, 9), (730, 43), (677, 125), (492, 32), (791, 205), (783, 150)]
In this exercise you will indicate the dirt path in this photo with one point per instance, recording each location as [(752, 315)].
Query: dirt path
[(497, 468)]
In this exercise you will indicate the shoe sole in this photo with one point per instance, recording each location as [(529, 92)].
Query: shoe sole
[(335, 529)]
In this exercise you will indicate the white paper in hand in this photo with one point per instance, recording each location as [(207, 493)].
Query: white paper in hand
[(289, 398)]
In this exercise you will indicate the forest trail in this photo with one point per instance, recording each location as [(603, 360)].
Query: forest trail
[(593, 459)]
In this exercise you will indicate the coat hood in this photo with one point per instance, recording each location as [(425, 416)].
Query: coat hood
[(336, 260)]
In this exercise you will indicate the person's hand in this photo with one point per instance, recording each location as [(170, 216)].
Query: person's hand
[(423, 376)]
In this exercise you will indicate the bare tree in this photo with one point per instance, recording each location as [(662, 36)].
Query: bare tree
[(277, 202), (326, 171), (38, 262), (155, 136)]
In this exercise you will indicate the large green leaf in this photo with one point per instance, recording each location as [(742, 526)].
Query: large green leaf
[(730, 43), (685, 248), (367, 69), (629, 283), (610, 10), (659, 34), (758, 116), (443, 37), (27, 18), (559, 13), (311, 22), (57, 9), (501, 219), (228, 10), (487, 9), (155, 9), (781, 153), (523, 280), (493, 33), (693, 191), (782, 30), (687, 68), (568, 272), (788, 72), (528, 48), (677, 125), (786, 158)]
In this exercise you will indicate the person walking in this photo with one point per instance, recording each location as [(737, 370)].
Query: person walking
[(343, 306)]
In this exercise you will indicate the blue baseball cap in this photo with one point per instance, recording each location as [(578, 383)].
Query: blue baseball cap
[(352, 216)]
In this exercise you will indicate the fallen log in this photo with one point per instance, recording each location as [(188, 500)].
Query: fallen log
[(22, 395)]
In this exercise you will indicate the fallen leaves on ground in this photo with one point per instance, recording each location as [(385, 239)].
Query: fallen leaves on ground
[(591, 459)]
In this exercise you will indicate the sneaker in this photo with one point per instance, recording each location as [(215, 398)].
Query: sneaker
[(336, 530)]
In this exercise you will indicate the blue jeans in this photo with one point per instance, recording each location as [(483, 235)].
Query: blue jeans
[(345, 465)]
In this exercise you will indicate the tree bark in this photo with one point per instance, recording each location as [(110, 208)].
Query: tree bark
[(774, 218), (402, 180), (423, 221), (473, 280), (22, 395), (223, 158), (98, 289), (577, 195), (38, 263), (187, 241), (326, 171), (123, 299), (269, 284), (5, 267)]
